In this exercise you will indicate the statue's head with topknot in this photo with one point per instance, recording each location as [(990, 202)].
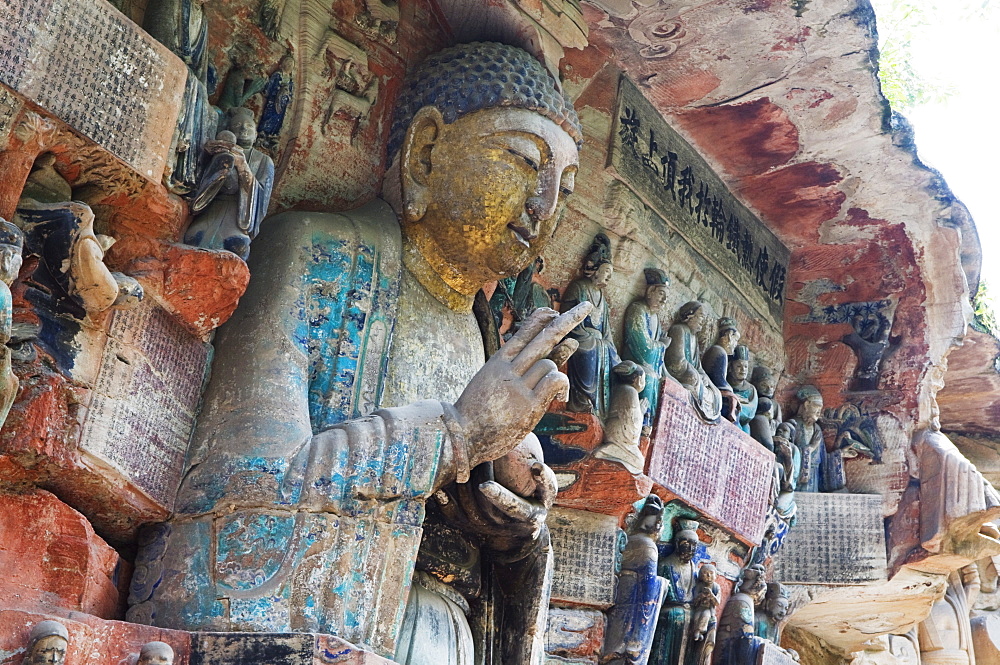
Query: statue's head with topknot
[(470, 77), (483, 150)]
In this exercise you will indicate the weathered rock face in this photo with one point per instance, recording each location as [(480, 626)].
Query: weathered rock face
[(741, 147), (54, 559)]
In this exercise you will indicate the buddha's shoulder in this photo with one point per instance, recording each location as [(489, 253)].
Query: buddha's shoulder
[(375, 218)]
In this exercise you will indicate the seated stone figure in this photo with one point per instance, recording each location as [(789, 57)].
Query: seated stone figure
[(683, 361), (313, 459)]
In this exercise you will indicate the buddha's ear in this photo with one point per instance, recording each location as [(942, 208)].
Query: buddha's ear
[(415, 161)]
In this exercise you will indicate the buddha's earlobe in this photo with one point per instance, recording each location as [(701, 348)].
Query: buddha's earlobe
[(416, 161)]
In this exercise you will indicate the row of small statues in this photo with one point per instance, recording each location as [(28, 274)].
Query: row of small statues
[(665, 608), (722, 381), (48, 643)]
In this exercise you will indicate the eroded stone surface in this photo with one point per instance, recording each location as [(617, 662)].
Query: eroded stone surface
[(53, 559)]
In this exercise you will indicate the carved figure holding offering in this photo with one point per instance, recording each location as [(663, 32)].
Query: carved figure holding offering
[(327, 457), (746, 394), (639, 593), (47, 644), (822, 470), (234, 191), (716, 365), (156, 653), (765, 423), (11, 243), (623, 427), (788, 457), (683, 361), (589, 369), (673, 642), (646, 341)]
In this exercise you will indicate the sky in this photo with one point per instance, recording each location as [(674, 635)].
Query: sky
[(958, 47)]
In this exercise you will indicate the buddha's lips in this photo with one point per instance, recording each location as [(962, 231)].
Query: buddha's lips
[(522, 234)]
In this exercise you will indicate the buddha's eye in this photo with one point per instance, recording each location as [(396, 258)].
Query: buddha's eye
[(527, 160)]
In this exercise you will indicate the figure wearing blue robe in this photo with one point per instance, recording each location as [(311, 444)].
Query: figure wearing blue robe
[(645, 346), (589, 368)]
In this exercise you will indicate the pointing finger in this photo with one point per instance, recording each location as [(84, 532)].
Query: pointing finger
[(543, 342), (533, 325)]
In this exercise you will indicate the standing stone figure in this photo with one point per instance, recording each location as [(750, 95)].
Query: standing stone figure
[(11, 243), (156, 653), (639, 594), (743, 390), (770, 619), (765, 423), (277, 100), (623, 426), (869, 340), (180, 25), (234, 191), (673, 642), (716, 365), (737, 641), (317, 449), (47, 644), (589, 369), (646, 341), (683, 361), (822, 470), (703, 626)]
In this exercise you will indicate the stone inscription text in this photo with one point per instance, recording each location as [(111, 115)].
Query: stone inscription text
[(837, 539), (716, 469), (92, 68), (145, 399), (675, 180), (585, 549)]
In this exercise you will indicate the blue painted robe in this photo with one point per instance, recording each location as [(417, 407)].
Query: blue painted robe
[(302, 506), (643, 331), (589, 368)]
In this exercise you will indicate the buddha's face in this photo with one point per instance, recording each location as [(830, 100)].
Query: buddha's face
[(49, 650), (482, 195)]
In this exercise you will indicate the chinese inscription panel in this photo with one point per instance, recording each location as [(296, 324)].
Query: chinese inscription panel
[(837, 539), (145, 399), (585, 548), (670, 175), (89, 66)]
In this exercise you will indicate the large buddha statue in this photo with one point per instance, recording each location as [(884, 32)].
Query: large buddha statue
[(317, 451)]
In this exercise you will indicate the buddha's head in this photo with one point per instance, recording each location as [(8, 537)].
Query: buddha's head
[(483, 152)]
